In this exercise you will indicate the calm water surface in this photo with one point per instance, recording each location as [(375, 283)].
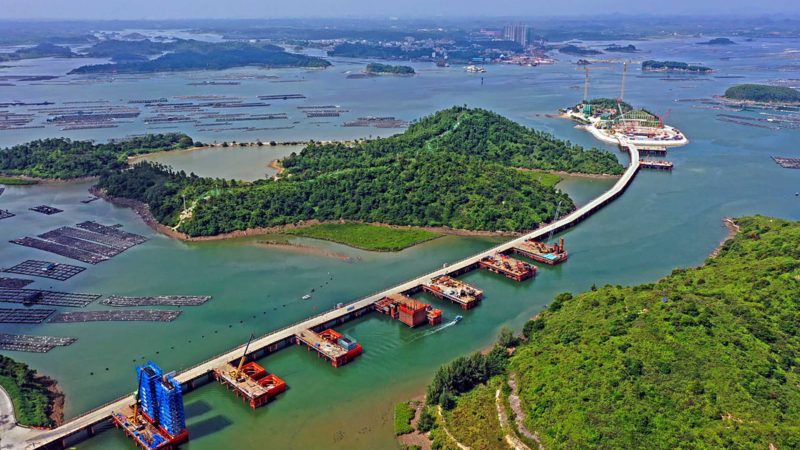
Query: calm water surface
[(664, 220)]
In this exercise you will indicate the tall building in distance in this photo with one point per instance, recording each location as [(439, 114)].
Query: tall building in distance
[(517, 33)]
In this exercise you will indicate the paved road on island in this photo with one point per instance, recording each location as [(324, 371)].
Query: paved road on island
[(24, 438)]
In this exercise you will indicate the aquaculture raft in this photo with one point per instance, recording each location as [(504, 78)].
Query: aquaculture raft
[(34, 344), (116, 316), (14, 283), (27, 315), (786, 163), (162, 300), (5, 214), (50, 298), (45, 269), (46, 210)]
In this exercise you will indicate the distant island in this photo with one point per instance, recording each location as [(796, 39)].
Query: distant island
[(630, 48), (377, 68), (38, 51), (717, 41), (63, 159), (762, 93), (194, 55), (459, 168), (702, 358), (579, 51), (673, 66)]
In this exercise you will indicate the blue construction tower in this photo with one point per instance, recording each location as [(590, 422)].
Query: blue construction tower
[(170, 405), (149, 376)]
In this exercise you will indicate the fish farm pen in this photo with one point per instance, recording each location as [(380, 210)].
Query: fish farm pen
[(35, 344), (116, 316), (27, 315), (46, 210), (91, 242), (5, 214), (45, 269), (49, 298), (14, 283), (161, 300), (787, 163), (282, 97)]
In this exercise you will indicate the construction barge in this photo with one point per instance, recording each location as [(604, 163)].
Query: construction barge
[(541, 252), (655, 164), (251, 382), (408, 310), (330, 345), (156, 420), (509, 267), (445, 287)]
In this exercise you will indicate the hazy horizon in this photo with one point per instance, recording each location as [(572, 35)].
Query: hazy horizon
[(319, 9)]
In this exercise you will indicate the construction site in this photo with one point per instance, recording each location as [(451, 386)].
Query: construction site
[(330, 345), (408, 310), (541, 252), (251, 382)]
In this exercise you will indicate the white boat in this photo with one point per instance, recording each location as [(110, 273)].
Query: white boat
[(307, 296), (475, 69), (457, 319)]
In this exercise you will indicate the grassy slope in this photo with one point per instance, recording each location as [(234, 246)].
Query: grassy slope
[(403, 415), (473, 422), (9, 181), (366, 237), (715, 366)]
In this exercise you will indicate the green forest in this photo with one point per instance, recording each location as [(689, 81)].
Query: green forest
[(763, 93), (704, 358), (673, 66), (389, 69), (61, 158), (456, 168), (28, 393)]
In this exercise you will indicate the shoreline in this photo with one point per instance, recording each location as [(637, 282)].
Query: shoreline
[(49, 181), (733, 230), (305, 249)]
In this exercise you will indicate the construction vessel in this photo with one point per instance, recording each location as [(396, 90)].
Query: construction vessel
[(156, 419), (541, 252), (250, 381), (447, 288), (331, 345), (508, 267), (655, 164), (408, 310)]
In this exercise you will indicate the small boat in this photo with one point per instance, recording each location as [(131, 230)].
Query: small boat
[(307, 296), (457, 319)]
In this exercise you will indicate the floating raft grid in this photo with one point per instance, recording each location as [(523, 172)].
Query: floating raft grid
[(88, 246), (787, 163), (35, 344), (50, 298), (109, 241), (60, 249), (47, 210), (27, 315), (140, 315), (112, 231), (45, 269), (14, 283), (161, 300)]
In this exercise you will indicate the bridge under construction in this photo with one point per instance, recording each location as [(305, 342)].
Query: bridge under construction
[(315, 332)]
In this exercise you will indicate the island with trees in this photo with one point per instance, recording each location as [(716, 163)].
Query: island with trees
[(61, 158), (579, 51), (615, 48), (380, 69), (45, 50), (194, 55), (717, 41), (673, 66), (762, 93), (459, 168), (703, 358)]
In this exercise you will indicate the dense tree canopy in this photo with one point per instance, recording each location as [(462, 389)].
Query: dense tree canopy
[(457, 168), (64, 158), (704, 358), (763, 93), (28, 393)]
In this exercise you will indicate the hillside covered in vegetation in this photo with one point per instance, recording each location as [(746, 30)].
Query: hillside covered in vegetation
[(29, 393), (378, 68), (763, 93), (704, 358), (63, 158), (192, 55), (457, 168), (673, 66)]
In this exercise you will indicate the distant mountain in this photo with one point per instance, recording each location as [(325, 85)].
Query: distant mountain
[(630, 48), (718, 41), (39, 51), (579, 51)]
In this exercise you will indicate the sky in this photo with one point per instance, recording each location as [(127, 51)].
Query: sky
[(264, 9)]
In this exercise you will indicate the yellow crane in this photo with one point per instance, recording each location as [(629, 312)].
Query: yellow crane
[(244, 355)]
